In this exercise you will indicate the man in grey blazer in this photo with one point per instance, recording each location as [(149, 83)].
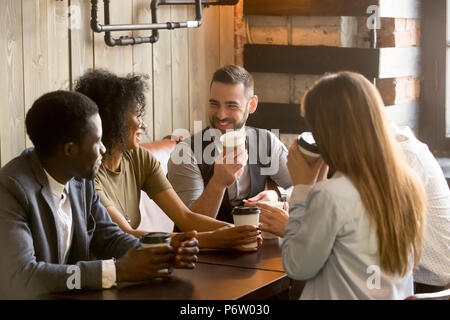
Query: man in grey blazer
[(51, 219)]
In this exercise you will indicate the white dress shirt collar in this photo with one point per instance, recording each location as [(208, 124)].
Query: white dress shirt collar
[(56, 187)]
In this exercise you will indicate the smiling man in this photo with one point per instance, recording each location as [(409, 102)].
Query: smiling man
[(51, 220), (204, 178)]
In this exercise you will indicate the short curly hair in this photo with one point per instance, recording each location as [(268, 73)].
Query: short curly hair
[(114, 96), (58, 117)]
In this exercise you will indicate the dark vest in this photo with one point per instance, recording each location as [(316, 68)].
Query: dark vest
[(255, 137)]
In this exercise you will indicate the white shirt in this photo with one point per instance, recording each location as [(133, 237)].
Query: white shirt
[(331, 241), (64, 224), (434, 266)]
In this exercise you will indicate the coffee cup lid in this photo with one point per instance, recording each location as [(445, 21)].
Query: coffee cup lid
[(307, 142), (233, 138), (243, 210), (155, 237)]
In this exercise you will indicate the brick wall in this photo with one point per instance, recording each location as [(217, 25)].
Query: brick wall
[(329, 31)]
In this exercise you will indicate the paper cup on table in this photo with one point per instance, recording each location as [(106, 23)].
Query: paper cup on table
[(155, 239), (268, 235), (246, 216)]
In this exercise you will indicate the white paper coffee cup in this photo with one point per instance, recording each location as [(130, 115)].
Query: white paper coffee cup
[(246, 216), (308, 147), (268, 235), (153, 240), (233, 139)]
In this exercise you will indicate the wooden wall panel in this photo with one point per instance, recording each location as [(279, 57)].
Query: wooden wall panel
[(204, 59), (143, 60), (162, 79), (388, 8), (35, 51), (54, 53), (180, 70), (117, 59), (226, 35), (58, 45), (12, 131), (81, 40), (308, 7)]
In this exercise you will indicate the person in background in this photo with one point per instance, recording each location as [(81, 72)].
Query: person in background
[(128, 168), (433, 273), (359, 234), (214, 186), (51, 219)]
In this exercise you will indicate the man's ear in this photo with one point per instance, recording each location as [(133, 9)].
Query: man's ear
[(253, 104), (70, 149)]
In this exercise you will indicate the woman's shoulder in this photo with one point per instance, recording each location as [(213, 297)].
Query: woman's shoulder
[(139, 155), (338, 187)]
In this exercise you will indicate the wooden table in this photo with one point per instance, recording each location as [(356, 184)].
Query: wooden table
[(268, 257), (205, 282)]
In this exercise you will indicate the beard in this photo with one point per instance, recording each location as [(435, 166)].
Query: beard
[(236, 125)]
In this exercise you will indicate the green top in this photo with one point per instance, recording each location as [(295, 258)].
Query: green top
[(138, 170)]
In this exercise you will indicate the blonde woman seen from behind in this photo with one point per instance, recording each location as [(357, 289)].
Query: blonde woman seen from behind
[(357, 235)]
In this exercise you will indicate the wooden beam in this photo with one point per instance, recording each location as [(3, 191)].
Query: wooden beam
[(284, 117), (307, 7), (372, 63), (387, 8), (310, 59)]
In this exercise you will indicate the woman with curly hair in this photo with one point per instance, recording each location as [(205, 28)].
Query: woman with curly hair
[(128, 168), (359, 234)]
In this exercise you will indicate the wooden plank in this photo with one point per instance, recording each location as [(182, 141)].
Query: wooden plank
[(310, 59), (388, 8), (284, 117), (180, 71), (162, 79), (272, 87), (81, 40), (143, 61), (372, 63), (12, 131), (117, 59), (211, 54), (58, 45), (315, 31), (287, 119), (226, 35), (307, 7), (35, 51), (204, 49), (268, 30)]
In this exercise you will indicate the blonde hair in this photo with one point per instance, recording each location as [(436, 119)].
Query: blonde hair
[(347, 118)]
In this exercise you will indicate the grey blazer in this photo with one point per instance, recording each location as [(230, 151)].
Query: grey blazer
[(30, 262)]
